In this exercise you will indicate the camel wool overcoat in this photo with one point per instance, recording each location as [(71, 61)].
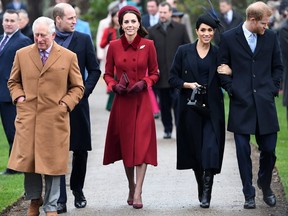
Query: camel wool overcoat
[(41, 143)]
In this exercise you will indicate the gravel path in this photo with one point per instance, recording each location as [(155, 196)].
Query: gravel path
[(166, 191)]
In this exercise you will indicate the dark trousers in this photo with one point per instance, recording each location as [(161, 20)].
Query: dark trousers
[(267, 145), (168, 100), (8, 115), (77, 178)]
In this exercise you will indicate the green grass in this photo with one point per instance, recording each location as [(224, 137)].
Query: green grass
[(282, 142), (11, 186), (282, 145)]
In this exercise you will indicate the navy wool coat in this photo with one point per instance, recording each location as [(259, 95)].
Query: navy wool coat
[(189, 127), (81, 44), (254, 83)]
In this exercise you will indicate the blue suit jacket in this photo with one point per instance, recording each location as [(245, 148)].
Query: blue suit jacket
[(146, 21), (17, 41), (11, 6), (80, 136), (254, 83)]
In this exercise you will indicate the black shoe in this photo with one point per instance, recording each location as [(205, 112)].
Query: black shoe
[(250, 203), (80, 200), (268, 195), (61, 208), (10, 172), (167, 135)]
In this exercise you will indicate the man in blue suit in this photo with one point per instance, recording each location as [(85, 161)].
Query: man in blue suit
[(80, 138), (10, 42), (152, 17), (253, 53)]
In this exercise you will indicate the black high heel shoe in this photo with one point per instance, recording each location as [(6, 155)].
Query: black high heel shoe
[(80, 200)]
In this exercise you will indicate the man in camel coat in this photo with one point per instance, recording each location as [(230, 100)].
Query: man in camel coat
[(44, 92)]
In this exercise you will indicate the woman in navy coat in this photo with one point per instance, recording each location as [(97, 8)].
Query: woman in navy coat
[(200, 137), (131, 133)]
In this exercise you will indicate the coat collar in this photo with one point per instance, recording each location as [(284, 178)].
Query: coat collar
[(53, 56), (11, 41), (243, 42), (134, 44)]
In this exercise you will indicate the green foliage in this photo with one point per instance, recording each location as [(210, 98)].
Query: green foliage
[(11, 186), (282, 145), (96, 12)]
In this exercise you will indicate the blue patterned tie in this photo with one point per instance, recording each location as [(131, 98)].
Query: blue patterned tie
[(3, 42), (252, 42)]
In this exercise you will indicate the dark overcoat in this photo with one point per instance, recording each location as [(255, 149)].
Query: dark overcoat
[(131, 133), (254, 83), (81, 44), (189, 127), (166, 43)]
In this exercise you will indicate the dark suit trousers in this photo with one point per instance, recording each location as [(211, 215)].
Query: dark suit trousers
[(168, 99), (8, 115), (267, 145), (78, 173)]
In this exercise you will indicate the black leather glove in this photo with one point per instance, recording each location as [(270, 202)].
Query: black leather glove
[(138, 87)]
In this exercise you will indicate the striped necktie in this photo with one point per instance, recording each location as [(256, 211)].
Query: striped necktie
[(44, 57), (3, 42)]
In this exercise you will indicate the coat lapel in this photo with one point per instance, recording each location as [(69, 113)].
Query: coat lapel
[(192, 61), (260, 42), (240, 37), (53, 56), (212, 70), (35, 57), (11, 41), (73, 42)]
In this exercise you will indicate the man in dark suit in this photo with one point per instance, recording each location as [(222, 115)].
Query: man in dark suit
[(24, 25), (229, 18), (152, 16), (11, 41), (167, 36), (253, 53), (80, 139)]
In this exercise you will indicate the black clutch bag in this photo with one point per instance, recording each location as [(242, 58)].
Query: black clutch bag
[(198, 100)]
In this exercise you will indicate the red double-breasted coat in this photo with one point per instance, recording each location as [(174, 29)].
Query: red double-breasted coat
[(131, 134)]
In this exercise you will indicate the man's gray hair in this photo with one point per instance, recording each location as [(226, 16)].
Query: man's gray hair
[(47, 21)]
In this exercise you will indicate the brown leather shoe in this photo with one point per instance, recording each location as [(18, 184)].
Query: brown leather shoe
[(51, 213), (33, 209)]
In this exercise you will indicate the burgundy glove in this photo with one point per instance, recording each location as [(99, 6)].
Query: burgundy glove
[(138, 87), (121, 87)]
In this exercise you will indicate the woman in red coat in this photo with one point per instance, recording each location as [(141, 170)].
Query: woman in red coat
[(131, 133)]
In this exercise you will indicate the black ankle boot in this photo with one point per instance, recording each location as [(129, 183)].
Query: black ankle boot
[(199, 179), (207, 189)]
